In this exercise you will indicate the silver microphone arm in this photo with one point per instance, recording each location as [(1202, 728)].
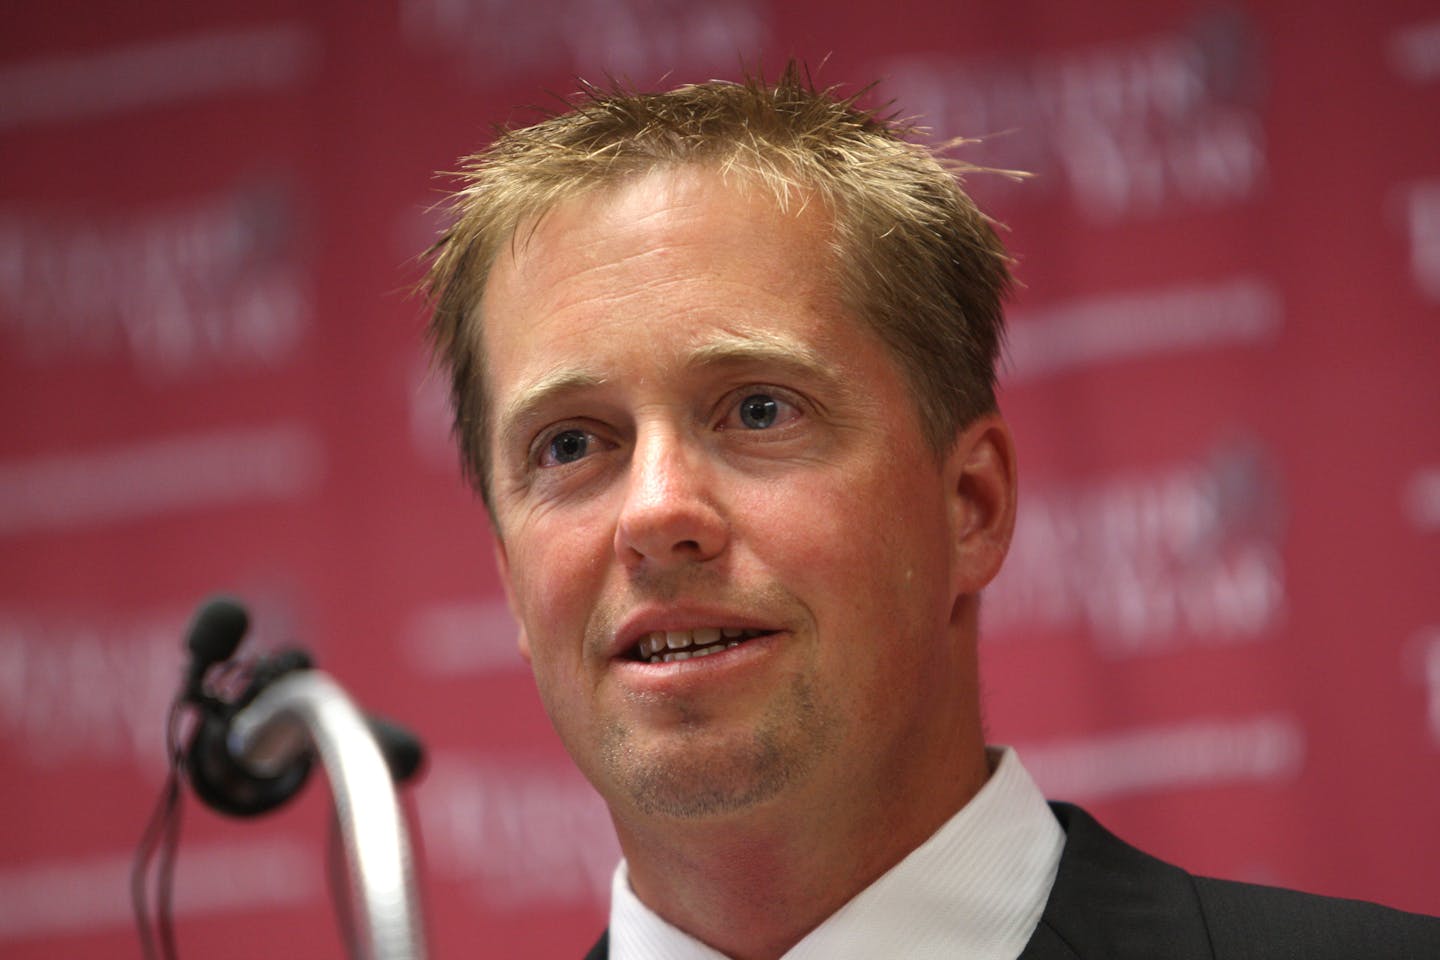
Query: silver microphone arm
[(307, 710)]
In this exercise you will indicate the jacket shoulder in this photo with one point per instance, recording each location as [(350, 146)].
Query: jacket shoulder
[(1249, 922), (1112, 901)]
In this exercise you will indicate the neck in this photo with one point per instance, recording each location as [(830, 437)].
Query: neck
[(754, 883)]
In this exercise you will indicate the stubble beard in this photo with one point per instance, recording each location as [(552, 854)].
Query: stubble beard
[(696, 774)]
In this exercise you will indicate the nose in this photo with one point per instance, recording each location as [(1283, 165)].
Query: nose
[(670, 515)]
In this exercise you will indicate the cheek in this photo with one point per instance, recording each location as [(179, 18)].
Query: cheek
[(878, 543), (555, 568), (824, 540)]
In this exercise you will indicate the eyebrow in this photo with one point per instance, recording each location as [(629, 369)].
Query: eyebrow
[(759, 347), (534, 395)]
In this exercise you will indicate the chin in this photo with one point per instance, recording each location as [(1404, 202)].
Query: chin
[(701, 775)]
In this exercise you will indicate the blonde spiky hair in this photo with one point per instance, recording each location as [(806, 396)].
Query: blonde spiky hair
[(917, 260)]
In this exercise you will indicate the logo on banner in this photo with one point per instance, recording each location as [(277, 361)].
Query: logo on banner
[(1151, 562), (175, 292), (1126, 130), (77, 692)]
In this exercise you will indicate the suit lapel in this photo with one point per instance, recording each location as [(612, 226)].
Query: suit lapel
[(601, 950), (1112, 902)]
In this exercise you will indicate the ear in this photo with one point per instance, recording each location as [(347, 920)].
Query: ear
[(981, 475), (502, 564)]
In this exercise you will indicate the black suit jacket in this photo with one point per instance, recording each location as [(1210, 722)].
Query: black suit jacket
[(1112, 902)]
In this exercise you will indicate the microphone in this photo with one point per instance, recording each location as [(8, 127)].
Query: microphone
[(217, 776), (402, 750), (249, 753), (214, 635)]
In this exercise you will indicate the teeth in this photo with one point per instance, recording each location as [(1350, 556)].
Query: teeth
[(667, 646), (702, 652)]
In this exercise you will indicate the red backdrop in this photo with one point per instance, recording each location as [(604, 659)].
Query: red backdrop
[(1220, 627)]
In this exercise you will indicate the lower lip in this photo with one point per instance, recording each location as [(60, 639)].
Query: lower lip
[(700, 672)]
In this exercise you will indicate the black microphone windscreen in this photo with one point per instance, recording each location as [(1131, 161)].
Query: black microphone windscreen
[(403, 752), (217, 630)]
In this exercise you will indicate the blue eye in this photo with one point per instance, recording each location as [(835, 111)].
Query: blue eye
[(566, 446), (759, 411)]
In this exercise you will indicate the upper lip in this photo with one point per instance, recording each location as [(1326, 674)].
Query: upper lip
[(648, 620)]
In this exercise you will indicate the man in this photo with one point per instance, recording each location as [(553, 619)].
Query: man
[(723, 369)]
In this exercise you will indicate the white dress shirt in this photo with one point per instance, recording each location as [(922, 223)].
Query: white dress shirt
[(975, 889)]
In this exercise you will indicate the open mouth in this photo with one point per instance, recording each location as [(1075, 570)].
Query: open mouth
[(667, 646)]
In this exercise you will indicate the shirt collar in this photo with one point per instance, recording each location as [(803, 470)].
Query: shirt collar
[(975, 888)]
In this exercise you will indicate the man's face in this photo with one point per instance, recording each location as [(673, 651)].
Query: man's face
[(728, 546)]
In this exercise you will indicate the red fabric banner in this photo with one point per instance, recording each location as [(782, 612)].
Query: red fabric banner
[(1219, 627)]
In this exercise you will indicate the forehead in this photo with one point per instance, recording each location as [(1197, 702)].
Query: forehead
[(654, 220), (674, 252)]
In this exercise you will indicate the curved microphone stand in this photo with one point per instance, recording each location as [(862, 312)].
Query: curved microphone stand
[(307, 710)]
